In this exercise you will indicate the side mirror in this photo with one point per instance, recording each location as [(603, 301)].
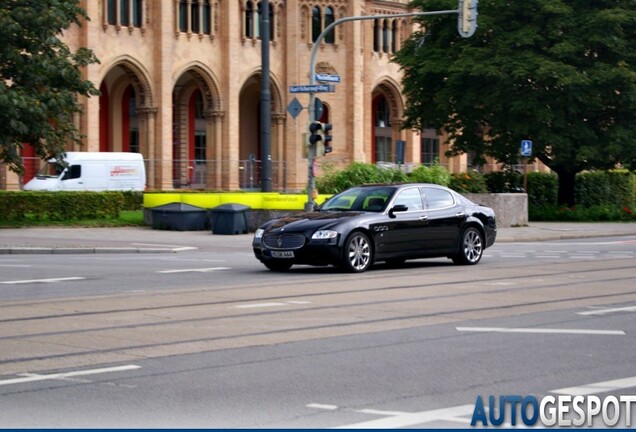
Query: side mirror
[(396, 209)]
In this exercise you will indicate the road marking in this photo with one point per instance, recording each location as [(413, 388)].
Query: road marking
[(195, 270), (52, 280), (270, 304), (63, 375), (410, 419), (607, 311), (322, 406), (538, 330), (599, 387)]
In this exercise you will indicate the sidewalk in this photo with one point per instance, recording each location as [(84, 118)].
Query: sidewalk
[(147, 240)]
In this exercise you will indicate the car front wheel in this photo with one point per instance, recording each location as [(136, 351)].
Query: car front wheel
[(471, 247), (357, 252)]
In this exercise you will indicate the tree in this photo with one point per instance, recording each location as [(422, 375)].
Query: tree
[(558, 72), (40, 78)]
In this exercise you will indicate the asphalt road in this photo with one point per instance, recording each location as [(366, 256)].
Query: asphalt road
[(210, 339)]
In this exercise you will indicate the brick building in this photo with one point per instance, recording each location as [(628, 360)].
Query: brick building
[(180, 83)]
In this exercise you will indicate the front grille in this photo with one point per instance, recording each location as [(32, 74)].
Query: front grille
[(284, 241)]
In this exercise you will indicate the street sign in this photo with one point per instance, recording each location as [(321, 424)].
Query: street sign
[(526, 148), (294, 108), (316, 88), (328, 78)]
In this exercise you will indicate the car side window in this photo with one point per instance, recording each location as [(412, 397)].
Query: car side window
[(410, 198), (438, 198)]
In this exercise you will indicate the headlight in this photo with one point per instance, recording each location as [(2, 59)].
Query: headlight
[(259, 233), (324, 234)]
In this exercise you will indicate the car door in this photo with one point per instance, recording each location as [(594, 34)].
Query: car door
[(406, 231), (445, 218)]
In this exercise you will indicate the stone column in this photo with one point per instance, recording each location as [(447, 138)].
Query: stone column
[(147, 137)]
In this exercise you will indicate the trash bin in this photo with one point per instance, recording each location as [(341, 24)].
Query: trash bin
[(229, 219), (179, 217)]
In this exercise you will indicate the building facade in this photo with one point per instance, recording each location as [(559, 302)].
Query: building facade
[(180, 82)]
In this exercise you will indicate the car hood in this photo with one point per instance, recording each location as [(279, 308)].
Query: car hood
[(310, 221)]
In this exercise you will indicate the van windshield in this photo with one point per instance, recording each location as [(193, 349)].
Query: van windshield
[(50, 170)]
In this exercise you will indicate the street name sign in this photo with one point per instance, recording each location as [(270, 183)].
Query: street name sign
[(328, 78), (316, 88)]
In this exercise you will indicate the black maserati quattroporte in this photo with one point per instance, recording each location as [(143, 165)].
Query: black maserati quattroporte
[(373, 223)]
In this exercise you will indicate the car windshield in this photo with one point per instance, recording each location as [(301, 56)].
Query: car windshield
[(370, 199)]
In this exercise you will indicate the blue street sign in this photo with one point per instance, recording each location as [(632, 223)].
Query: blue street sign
[(526, 148), (317, 88), (328, 78), (294, 108)]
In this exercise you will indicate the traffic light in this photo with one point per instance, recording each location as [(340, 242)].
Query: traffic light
[(320, 138), (467, 20)]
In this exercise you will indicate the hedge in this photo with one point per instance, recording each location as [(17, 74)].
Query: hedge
[(60, 206)]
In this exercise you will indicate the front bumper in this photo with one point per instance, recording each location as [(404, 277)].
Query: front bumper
[(313, 252)]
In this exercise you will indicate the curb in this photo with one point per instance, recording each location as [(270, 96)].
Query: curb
[(81, 250)]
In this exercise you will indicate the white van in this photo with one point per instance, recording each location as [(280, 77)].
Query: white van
[(91, 171)]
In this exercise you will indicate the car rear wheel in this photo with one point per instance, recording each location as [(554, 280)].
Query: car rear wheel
[(278, 266), (471, 247), (357, 252)]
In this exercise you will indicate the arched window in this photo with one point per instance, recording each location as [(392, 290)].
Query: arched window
[(385, 36), (249, 19), (316, 23), (112, 12), (183, 16), (207, 17), (382, 130), (195, 18), (329, 19), (394, 36), (376, 35), (257, 20), (137, 11)]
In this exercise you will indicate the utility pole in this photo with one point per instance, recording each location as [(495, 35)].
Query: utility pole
[(266, 105), (466, 26)]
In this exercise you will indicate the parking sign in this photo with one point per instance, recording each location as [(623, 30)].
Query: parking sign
[(526, 148)]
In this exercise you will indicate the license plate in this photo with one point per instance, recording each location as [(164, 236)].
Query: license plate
[(282, 254)]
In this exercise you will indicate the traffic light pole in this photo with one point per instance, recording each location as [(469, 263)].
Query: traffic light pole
[(463, 8)]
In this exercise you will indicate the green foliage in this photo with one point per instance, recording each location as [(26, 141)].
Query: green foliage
[(597, 213), (468, 182), (357, 173), (542, 189), (616, 187), (504, 181), (60, 206), (436, 174), (40, 78), (561, 73)]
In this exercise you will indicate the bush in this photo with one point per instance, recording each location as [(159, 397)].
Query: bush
[(504, 182), (543, 189), (597, 213), (468, 182), (356, 174), (436, 174), (60, 206)]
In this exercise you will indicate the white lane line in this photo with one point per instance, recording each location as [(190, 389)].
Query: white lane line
[(599, 387), (322, 406), (194, 270), (538, 330), (63, 375), (410, 419), (269, 304), (15, 265), (607, 311), (51, 280)]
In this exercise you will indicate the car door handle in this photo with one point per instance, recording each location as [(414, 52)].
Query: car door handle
[(460, 214), (423, 218)]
